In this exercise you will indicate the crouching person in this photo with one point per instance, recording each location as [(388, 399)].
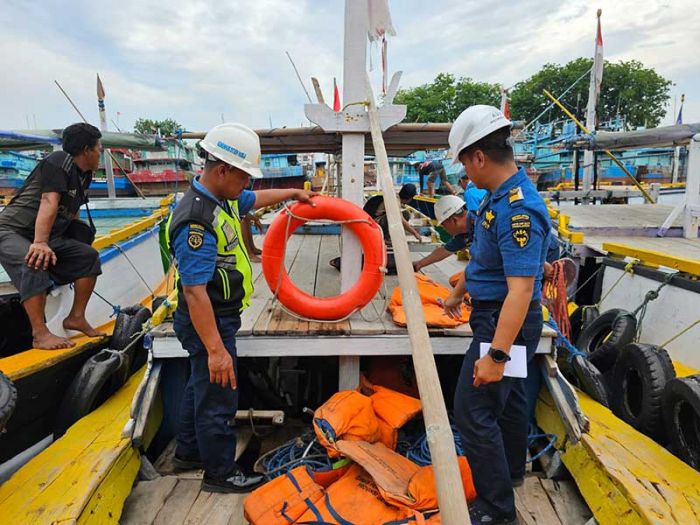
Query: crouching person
[(214, 286), (42, 242)]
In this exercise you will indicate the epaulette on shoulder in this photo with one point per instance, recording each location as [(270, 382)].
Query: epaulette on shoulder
[(515, 197)]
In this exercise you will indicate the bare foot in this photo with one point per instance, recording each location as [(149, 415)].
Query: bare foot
[(48, 341), (255, 258), (81, 325)]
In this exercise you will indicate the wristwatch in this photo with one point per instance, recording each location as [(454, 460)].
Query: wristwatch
[(498, 356)]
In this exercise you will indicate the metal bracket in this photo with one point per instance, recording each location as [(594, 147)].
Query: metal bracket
[(354, 118)]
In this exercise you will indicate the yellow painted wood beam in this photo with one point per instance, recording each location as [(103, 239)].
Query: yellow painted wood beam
[(573, 237), (625, 477), (30, 361), (124, 232), (654, 258), (83, 477)]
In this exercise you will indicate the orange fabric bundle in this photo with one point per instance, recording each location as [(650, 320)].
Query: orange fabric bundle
[(346, 415), (284, 499), (393, 410), (422, 489), (431, 295)]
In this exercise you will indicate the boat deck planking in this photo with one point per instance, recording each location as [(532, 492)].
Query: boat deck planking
[(673, 246), (608, 218)]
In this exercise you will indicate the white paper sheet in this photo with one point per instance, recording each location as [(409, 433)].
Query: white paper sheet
[(517, 366)]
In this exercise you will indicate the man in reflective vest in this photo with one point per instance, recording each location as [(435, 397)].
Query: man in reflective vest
[(214, 286)]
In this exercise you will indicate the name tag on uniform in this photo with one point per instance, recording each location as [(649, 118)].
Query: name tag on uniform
[(517, 366)]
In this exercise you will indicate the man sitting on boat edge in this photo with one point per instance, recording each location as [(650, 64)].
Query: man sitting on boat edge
[(41, 241), (215, 284)]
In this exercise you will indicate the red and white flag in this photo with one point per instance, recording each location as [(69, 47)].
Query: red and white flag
[(505, 109), (336, 97), (596, 78)]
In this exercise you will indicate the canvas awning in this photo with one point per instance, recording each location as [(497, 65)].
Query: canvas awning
[(36, 139)]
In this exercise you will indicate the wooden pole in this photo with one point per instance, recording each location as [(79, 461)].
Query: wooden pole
[(453, 506)]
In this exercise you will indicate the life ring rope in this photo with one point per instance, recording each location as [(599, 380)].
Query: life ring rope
[(290, 215)]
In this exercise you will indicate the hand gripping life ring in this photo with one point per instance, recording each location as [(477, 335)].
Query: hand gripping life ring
[(324, 308)]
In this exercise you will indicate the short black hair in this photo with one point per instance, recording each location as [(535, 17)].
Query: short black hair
[(77, 137), (212, 162), (408, 191), (496, 146)]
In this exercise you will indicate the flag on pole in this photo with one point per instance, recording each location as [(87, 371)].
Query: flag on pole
[(596, 73), (100, 89), (505, 109), (336, 97), (679, 119)]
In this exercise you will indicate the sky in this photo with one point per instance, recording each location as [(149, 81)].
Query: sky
[(202, 62)]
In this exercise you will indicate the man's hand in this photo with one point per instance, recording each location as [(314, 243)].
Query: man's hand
[(548, 271), (304, 196), (40, 256), (415, 233), (453, 306), (417, 266), (221, 369), (486, 371)]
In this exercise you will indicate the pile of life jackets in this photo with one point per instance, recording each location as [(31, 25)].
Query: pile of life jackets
[(377, 486), (432, 295)]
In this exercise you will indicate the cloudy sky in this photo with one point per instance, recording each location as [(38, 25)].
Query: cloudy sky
[(197, 60)]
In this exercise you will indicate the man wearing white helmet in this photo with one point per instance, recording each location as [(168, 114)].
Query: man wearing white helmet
[(504, 281), (214, 286)]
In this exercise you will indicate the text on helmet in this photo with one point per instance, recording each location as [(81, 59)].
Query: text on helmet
[(231, 149)]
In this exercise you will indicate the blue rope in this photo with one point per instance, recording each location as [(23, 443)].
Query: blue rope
[(562, 340), (291, 455), (532, 437), (419, 451)]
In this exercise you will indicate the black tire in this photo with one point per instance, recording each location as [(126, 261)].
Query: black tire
[(8, 400), (129, 321), (603, 339), (581, 318), (681, 407), (91, 386), (639, 378), (589, 379)]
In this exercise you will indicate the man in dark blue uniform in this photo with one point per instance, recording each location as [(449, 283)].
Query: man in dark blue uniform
[(504, 280)]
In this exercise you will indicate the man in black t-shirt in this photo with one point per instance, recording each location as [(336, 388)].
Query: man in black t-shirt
[(36, 248)]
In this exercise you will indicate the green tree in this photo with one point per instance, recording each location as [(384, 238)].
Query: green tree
[(148, 126), (638, 94), (444, 98)]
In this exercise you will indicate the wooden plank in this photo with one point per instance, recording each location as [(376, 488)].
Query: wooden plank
[(221, 508), (348, 372), (200, 508), (91, 468), (263, 294), (624, 476), (146, 500), (327, 284), (178, 504), (567, 501), (535, 502)]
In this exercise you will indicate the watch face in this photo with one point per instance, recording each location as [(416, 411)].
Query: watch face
[(499, 356)]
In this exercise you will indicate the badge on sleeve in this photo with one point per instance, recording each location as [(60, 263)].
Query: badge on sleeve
[(195, 236), (520, 229), (515, 195), (489, 216)]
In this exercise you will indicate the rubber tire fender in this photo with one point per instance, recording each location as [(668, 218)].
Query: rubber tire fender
[(91, 385), (581, 318), (8, 400), (639, 378), (681, 408), (129, 321), (606, 336), (589, 379)]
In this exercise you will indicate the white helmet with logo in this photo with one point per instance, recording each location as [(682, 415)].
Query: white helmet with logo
[(473, 124), (447, 206), (236, 145)]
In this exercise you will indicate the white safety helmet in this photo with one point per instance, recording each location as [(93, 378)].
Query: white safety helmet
[(236, 145), (447, 206), (473, 124)]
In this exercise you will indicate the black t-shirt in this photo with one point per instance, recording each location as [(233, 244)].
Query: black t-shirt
[(56, 173), (429, 167)]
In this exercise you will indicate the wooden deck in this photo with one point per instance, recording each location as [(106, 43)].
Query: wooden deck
[(619, 219), (178, 500)]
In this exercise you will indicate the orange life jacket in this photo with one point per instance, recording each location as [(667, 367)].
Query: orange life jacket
[(431, 294)]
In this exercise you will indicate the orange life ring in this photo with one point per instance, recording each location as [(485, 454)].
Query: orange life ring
[(324, 308)]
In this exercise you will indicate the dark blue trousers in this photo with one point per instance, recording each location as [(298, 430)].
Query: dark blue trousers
[(204, 431), (493, 419)]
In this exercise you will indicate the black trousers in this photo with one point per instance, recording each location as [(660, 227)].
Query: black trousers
[(493, 419)]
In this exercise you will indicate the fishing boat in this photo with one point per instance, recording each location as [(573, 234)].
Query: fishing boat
[(134, 273)]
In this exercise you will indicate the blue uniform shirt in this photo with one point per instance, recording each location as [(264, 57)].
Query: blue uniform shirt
[(473, 196), (510, 240), (197, 266)]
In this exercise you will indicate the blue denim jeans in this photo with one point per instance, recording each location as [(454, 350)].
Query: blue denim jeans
[(493, 419), (204, 431)]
